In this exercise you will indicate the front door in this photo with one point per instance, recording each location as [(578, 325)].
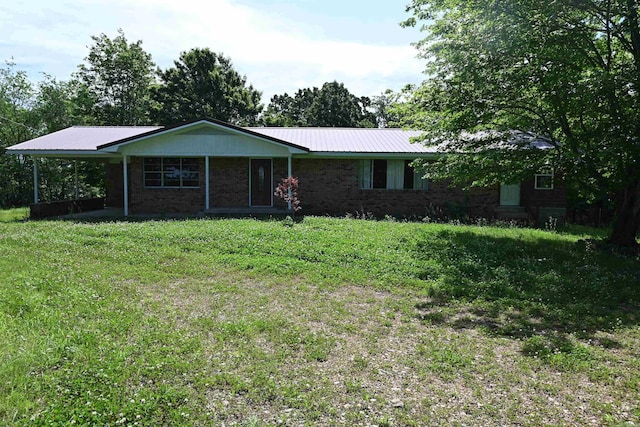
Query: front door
[(510, 195), (261, 182)]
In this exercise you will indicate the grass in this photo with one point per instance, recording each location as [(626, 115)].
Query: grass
[(17, 214), (326, 322)]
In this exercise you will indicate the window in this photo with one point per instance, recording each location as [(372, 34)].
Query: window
[(390, 174), (544, 180), (379, 173), (170, 172)]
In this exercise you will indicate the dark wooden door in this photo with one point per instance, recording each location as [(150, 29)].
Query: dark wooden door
[(261, 182)]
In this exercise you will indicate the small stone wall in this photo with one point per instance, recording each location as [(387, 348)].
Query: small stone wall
[(64, 207)]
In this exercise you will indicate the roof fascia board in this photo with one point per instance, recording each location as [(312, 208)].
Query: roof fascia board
[(62, 153)]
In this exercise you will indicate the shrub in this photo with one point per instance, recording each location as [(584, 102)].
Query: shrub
[(287, 190)]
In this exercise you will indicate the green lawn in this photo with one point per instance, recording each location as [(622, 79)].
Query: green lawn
[(326, 322)]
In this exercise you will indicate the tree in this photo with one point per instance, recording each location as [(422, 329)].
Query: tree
[(58, 105), (384, 108), (205, 84), (17, 124), (330, 106), (568, 72), (118, 76)]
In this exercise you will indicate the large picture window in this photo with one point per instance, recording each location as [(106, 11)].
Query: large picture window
[(171, 172), (390, 175)]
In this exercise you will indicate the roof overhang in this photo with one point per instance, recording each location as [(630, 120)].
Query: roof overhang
[(62, 154), (371, 155)]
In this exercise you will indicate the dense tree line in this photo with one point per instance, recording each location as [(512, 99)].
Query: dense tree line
[(330, 106), (119, 84)]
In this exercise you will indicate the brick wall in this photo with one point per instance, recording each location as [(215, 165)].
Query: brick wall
[(543, 204), (115, 185), (279, 172), (163, 200), (229, 182), (331, 187), (325, 187), (556, 198)]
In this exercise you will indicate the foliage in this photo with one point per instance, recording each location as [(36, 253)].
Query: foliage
[(564, 72), (205, 84), (201, 322), (384, 108), (17, 123), (58, 105), (117, 76), (287, 190), (27, 112), (330, 106)]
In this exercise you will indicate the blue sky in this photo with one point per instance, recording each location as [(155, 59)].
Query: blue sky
[(280, 45)]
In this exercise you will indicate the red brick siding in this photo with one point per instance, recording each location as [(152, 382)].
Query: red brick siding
[(331, 187), (163, 200), (555, 198), (326, 186), (229, 182), (115, 185), (280, 170)]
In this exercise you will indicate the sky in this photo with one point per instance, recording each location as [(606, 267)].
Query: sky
[(280, 45)]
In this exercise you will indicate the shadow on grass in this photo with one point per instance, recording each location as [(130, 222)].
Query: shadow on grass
[(524, 288)]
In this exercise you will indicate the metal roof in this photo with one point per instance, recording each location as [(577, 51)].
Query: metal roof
[(320, 140), (349, 140), (81, 138)]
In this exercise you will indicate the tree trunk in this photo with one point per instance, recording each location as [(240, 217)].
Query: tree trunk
[(627, 220)]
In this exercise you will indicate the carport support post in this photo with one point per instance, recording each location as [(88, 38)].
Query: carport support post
[(35, 180), (126, 185), (288, 176), (206, 182)]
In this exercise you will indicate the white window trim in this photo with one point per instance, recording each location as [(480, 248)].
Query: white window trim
[(162, 159), (543, 174)]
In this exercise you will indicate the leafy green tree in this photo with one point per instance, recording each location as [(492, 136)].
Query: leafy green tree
[(17, 124), (385, 108), (205, 84), (117, 76), (568, 72), (330, 106), (58, 105)]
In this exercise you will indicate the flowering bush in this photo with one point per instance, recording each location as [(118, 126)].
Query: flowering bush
[(287, 190)]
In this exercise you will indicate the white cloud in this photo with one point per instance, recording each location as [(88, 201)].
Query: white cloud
[(276, 54)]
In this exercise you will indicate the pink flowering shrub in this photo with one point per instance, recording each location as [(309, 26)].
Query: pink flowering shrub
[(287, 190)]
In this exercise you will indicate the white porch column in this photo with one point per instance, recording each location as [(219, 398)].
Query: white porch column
[(206, 182), (125, 173), (75, 166), (35, 180), (289, 173)]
